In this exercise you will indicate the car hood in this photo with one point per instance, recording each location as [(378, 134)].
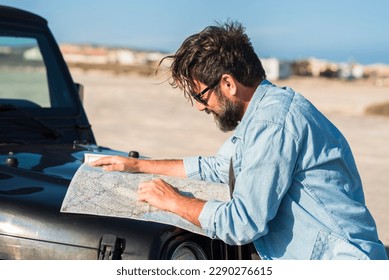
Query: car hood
[(57, 161), (31, 195)]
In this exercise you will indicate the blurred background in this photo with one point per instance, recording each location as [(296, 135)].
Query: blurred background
[(336, 53), (340, 31)]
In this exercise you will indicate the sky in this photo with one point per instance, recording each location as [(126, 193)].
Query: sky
[(336, 30)]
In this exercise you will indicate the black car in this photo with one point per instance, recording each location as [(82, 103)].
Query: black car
[(44, 135)]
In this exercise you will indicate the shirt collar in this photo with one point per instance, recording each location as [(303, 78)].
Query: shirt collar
[(256, 98)]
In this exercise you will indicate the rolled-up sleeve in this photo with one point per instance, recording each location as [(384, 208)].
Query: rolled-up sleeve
[(211, 169), (192, 169), (207, 217)]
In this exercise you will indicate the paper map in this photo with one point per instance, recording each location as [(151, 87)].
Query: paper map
[(97, 192)]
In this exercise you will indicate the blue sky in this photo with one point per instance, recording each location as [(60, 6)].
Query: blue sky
[(338, 30)]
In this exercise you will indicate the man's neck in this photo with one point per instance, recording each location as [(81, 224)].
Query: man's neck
[(247, 94)]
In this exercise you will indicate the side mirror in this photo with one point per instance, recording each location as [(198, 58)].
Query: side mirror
[(80, 91)]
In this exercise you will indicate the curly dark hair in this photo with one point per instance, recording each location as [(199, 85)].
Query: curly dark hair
[(217, 50)]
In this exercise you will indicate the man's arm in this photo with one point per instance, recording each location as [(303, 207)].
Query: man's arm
[(174, 167), (162, 195)]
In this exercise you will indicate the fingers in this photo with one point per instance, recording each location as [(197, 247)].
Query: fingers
[(111, 163), (157, 193), (114, 167), (149, 192), (103, 161), (153, 186)]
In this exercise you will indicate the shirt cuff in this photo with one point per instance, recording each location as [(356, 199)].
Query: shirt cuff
[(192, 167), (207, 217)]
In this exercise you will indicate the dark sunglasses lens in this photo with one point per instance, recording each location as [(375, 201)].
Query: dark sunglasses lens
[(199, 99)]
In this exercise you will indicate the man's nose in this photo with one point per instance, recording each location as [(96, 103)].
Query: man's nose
[(200, 106)]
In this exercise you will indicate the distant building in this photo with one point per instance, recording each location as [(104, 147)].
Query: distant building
[(85, 54), (315, 67), (122, 60), (350, 71), (276, 69), (378, 73), (33, 54), (5, 50), (323, 68), (123, 56)]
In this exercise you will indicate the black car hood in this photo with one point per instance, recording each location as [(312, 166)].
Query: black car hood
[(31, 195), (60, 161)]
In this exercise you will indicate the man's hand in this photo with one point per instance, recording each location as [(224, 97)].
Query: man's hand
[(159, 194), (164, 196), (117, 163)]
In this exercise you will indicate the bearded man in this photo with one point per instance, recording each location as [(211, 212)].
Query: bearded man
[(297, 194)]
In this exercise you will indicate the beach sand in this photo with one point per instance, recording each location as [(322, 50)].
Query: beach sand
[(145, 114)]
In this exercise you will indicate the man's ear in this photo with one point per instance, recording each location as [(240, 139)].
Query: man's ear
[(229, 84)]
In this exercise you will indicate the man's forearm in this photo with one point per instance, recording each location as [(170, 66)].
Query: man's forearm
[(174, 167), (190, 209)]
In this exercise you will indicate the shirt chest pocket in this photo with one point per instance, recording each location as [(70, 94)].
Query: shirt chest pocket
[(329, 246)]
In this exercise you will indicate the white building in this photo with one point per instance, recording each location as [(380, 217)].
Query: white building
[(33, 54), (276, 69)]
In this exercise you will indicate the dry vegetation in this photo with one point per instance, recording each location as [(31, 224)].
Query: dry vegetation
[(378, 109)]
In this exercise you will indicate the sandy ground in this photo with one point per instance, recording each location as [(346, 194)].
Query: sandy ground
[(147, 115)]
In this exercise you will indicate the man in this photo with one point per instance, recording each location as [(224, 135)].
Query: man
[(297, 191)]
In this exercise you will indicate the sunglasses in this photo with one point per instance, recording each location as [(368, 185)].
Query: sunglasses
[(199, 96)]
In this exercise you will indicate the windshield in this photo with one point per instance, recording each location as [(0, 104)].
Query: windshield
[(23, 73), (29, 76)]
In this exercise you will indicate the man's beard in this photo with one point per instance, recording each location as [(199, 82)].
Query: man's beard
[(229, 115)]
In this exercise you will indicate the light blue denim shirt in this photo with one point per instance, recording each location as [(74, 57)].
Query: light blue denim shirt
[(298, 194)]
